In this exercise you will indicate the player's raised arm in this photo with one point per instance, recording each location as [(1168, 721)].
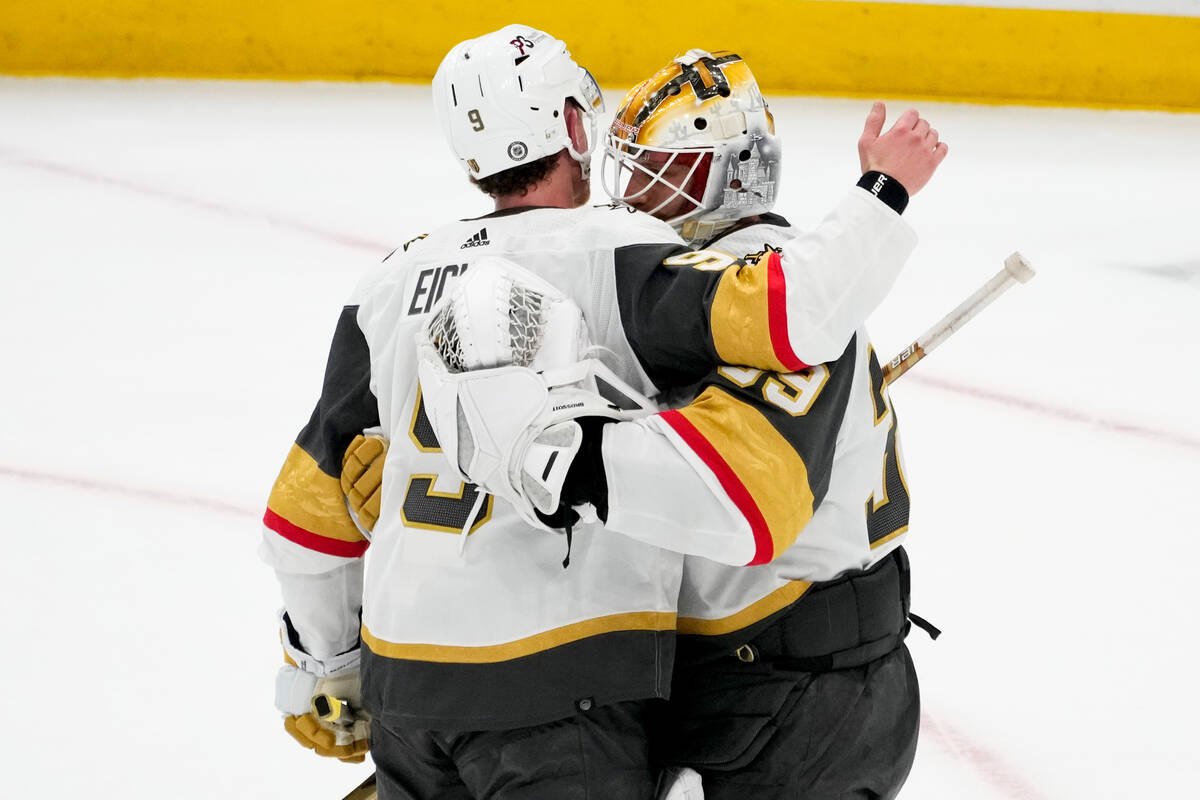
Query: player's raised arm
[(787, 308)]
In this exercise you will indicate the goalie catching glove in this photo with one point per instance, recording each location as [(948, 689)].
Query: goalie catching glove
[(321, 700), (511, 389)]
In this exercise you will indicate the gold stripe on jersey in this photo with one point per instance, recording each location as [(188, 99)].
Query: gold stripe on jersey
[(889, 537), (539, 642), (773, 473), (777, 600), (739, 312), (420, 430), (309, 499), (748, 316)]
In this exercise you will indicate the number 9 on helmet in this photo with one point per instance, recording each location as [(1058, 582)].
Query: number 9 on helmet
[(500, 100)]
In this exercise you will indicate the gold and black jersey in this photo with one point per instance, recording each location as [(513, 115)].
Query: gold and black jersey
[(686, 311), (822, 485)]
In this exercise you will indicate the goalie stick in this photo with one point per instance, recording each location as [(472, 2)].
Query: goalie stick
[(1016, 270)]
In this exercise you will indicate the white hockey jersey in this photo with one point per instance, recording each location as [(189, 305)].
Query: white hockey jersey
[(489, 629), (813, 455)]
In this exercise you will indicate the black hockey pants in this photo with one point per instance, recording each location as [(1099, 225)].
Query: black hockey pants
[(820, 703), (602, 752)]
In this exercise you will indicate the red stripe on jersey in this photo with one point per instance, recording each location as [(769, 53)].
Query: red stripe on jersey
[(777, 315), (313, 541), (764, 546)]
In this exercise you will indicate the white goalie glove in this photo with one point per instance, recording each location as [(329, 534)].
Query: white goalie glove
[(505, 371)]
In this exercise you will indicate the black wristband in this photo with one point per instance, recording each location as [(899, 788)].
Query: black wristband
[(887, 189)]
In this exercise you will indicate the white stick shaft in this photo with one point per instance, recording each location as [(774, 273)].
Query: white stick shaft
[(998, 285), (1016, 270)]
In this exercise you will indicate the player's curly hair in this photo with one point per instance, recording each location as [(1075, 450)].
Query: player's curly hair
[(517, 180)]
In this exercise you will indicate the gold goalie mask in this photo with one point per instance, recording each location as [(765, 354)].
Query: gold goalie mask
[(695, 145)]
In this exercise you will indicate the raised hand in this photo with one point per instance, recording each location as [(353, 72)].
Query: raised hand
[(909, 152)]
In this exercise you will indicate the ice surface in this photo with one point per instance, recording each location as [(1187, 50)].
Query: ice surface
[(174, 257)]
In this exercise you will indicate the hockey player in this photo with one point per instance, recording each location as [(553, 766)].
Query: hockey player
[(489, 668), (791, 678)]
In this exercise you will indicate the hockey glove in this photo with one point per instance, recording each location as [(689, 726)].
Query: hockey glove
[(362, 476), (321, 701), (505, 373)]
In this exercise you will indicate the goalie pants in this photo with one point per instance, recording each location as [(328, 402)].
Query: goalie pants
[(821, 703), (600, 752)]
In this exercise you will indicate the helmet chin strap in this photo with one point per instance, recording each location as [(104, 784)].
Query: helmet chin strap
[(585, 158)]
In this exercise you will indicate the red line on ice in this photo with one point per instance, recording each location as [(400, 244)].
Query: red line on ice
[(179, 198), (133, 492), (1059, 412), (993, 769)]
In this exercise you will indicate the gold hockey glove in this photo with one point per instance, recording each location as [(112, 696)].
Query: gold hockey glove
[(362, 476), (321, 700)]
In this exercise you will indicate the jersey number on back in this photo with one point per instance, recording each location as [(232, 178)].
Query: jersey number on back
[(424, 506)]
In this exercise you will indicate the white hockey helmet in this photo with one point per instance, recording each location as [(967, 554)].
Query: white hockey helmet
[(500, 100), (705, 111)]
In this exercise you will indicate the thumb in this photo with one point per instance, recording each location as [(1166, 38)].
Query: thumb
[(874, 123)]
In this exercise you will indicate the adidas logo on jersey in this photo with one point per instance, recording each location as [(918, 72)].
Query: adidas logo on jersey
[(478, 240)]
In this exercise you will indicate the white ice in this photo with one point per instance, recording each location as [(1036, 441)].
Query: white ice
[(174, 257)]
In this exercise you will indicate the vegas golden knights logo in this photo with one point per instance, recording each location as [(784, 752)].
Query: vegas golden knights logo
[(690, 74)]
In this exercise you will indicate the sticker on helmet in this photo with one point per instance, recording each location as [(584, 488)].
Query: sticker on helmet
[(517, 151), (625, 130), (521, 43), (689, 74)]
